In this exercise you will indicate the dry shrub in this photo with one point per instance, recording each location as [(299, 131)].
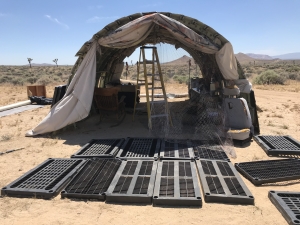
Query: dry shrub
[(269, 77)]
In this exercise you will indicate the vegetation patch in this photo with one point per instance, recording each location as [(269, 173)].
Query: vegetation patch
[(269, 77)]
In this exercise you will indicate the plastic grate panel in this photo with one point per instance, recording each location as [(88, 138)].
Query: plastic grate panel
[(208, 167), (176, 149), (234, 187), (140, 148), (214, 185), (288, 203), (221, 183), (93, 180), (133, 183), (278, 145), (102, 148), (177, 184), (270, 171), (206, 151), (44, 181)]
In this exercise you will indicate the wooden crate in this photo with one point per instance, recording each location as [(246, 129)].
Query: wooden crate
[(36, 90)]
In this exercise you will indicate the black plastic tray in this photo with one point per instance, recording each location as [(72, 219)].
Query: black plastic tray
[(177, 184), (270, 171), (176, 149), (102, 148), (133, 183), (206, 151), (44, 181), (278, 145), (288, 204), (93, 179), (140, 149), (222, 183)]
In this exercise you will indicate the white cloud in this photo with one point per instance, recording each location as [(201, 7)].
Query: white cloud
[(57, 21), (97, 19)]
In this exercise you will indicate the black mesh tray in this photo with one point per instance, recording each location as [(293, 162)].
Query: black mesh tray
[(278, 145), (44, 181), (222, 183), (176, 149), (288, 204), (209, 151), (133, 183), (93, 179), (102, 148), (177, 184), (270, 171), (140, 148)]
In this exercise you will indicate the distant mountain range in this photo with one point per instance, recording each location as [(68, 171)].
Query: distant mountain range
[(289, 56), (182, 60), (242, 57), (259, 56), (294, 55)]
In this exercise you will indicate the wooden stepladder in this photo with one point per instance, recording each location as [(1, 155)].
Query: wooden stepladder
[(153, 82)]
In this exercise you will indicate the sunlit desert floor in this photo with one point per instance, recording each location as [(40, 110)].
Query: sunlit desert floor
[(279, 114)]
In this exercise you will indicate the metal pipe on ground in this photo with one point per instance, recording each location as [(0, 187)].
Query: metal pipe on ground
[(169, 95), (15, 105)]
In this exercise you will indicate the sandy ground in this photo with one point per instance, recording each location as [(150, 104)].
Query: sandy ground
[(280, 115)]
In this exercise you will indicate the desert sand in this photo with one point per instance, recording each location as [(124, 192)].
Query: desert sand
[(279, 115)]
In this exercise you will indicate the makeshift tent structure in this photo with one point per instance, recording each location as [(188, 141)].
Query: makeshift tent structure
[(210, 50)]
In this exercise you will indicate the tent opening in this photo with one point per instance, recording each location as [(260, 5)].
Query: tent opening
[(218, 91)]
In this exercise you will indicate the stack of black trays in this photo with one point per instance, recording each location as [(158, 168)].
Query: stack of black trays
[(59, 92)]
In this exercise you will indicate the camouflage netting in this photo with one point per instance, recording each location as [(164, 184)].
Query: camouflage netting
[(112, 56), (200, 118)]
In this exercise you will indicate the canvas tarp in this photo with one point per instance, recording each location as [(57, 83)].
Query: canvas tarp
[(76, 103), (227, 62), (132, 33)]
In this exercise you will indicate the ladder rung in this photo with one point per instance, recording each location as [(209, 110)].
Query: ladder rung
[(144, 84), (159, 115), (153, 74), (148, 62), (153, 47), (162, 101), (156, 88)]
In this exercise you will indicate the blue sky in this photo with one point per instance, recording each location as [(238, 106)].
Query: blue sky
[(45, 30)]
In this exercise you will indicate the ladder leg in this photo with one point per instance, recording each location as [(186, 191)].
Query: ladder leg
[(147, 90), (136, 87), (152, 87)]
